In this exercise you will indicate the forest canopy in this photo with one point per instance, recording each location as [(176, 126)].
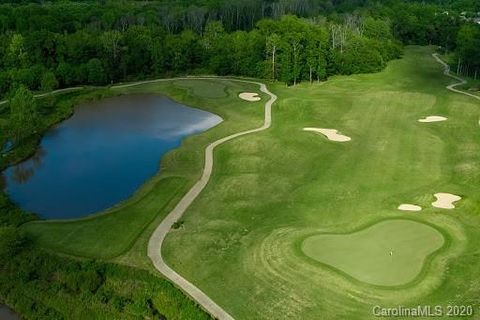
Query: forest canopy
[(59, 44), (48, 45)]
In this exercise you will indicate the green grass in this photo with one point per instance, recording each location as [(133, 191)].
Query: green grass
[(109, 234), (114, 232), (389, 253), (472, 86), (270, 190), (239, 240), (204, 89)]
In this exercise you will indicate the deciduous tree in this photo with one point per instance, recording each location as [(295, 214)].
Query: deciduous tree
[(23, 114)]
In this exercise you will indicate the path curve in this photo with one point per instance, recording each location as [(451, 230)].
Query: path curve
[(158, 236), (41, 95), (448, 74)]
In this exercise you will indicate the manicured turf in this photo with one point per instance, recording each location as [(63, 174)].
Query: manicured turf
[(112, 233), (239, 241), (204, 89), (389, 253), (115, 231)]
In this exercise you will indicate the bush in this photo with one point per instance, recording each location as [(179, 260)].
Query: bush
[(359, 57), (49, 81), (177, 224), (11, 242), (96, 72), (90, 281)]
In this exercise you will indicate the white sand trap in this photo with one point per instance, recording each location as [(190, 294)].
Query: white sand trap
[(433, 119), (249, 96), (409, 207), (331, 134), (445, 200)]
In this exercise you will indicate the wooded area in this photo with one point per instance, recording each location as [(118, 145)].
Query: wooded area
[(58, 44), (63, 44)]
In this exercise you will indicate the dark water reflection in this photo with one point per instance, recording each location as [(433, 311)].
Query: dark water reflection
[(2, 184), (102, 154)]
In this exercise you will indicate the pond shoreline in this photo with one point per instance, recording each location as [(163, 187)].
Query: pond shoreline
[(33, 142), (119, 138)]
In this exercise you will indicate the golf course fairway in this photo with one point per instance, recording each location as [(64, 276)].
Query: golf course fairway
[(389, 253), (250, 240)]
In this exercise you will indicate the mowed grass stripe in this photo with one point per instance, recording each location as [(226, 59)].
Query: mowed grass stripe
[(271, 190), (110, 234), (238, 241), (117, 230)]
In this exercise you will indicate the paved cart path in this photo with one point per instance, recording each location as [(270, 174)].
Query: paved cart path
[(158, 236), (448, 74), (59, 91)]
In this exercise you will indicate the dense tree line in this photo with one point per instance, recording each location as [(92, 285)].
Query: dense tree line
[(468, 50), (175, 16), (58, 44), (431, 24), (172, 15), (49, 45), (46, 45), (289, 49)]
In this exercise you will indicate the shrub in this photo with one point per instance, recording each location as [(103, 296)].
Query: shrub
[(11, 242)]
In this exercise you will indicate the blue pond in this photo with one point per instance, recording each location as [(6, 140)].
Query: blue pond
[(102, 154)]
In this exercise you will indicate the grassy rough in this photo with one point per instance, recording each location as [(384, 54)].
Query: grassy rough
[(42, 286), (115, 231), (238, 240), (274, 188)]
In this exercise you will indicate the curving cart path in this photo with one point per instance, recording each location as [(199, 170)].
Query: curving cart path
[(448, 74), (158, 236)]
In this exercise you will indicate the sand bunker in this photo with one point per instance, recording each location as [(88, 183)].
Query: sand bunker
[(331, 134), (409, 207), (432, 119), (445, 200), (249, 96)]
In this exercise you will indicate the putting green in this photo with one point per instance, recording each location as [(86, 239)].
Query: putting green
[(389, 253), (270, 189)]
